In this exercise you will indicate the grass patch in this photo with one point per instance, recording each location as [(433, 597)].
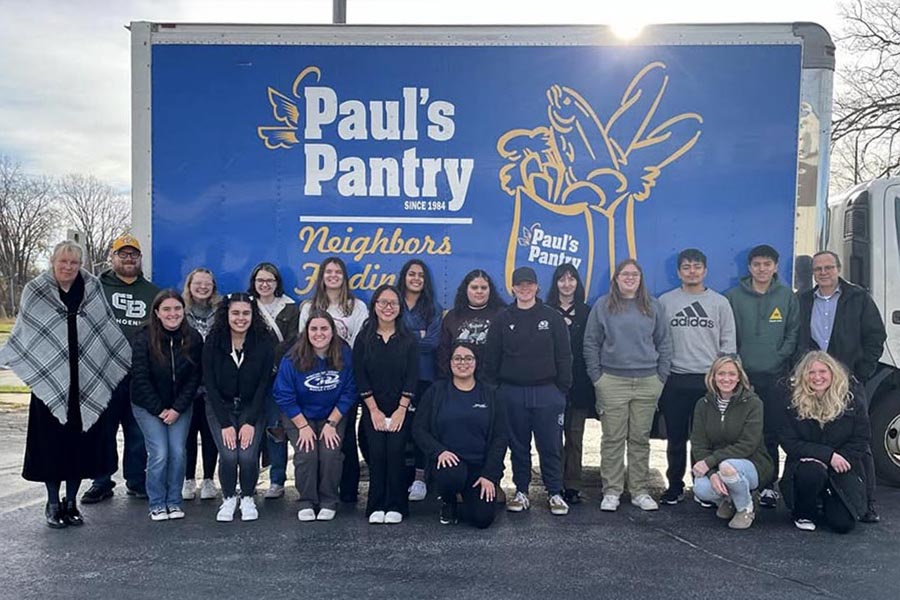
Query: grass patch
[(14, 389), (6, 326)]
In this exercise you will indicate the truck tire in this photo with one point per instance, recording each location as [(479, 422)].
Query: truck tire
[(885, 418)]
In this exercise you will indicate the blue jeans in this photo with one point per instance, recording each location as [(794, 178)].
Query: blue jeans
[(739, 487), (134, 459), (277, 450), (165, 456)]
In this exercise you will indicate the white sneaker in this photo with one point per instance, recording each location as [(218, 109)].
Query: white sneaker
[(325, 514), (248, 509), (376, 517), (208, 490), (306, 515), (226, 511), (558, 506), (417, 491), (519, 503), (805, 525), (276, 490), (392, 517), (189, 491), (610, 503), (644, 502)]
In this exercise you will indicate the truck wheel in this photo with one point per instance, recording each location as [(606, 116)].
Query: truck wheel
[(885, 418)]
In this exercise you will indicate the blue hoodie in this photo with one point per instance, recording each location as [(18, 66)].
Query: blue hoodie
[(316, 392)]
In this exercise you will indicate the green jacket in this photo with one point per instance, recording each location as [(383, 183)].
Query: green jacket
[(768, 326), (738, 433)]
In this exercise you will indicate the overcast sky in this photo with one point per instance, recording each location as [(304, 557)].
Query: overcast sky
[(65, 65)]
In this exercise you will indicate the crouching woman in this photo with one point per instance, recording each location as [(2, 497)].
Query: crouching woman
[(826, 436), (314, 389), (462, 431), (730, 458)]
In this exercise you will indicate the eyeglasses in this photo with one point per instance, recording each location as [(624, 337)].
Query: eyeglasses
[(462, 360), (265, 281), (387, 304), (128, 254), (824, 269)]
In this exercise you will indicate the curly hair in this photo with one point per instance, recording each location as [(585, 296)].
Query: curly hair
[(831, 404)]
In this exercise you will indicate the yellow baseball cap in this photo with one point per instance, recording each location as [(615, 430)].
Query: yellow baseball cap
[(125, 240)]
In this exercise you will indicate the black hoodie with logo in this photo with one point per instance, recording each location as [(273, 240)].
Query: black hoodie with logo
[(130, 302)]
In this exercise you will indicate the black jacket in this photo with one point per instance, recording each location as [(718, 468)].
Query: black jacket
[(581, 394), (425, 427), (857, 339), (848, 435), (237, 395), (172, 384)]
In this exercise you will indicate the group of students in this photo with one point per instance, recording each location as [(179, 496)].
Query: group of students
[(253, 370)]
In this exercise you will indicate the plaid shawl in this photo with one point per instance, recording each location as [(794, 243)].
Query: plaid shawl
[(38, 349)]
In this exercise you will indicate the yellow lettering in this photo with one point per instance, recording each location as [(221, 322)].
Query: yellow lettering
[(312, 233), (309, 283)]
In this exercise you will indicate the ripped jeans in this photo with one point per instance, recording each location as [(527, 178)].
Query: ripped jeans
[(739, 487)]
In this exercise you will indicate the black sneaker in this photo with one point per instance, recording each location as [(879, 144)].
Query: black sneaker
[(96, 494), (571, 496), (136, 492), (870, 516), (448, 513), (768, 498), (672, 496)]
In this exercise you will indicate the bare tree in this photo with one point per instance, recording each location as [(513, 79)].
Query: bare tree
[(95, 209), (866, 121), (27, 220)]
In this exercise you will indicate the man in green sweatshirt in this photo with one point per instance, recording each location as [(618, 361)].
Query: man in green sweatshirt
[(130, 295), (767, 319)]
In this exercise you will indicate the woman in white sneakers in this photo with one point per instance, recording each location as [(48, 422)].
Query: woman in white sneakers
[(238, 362)]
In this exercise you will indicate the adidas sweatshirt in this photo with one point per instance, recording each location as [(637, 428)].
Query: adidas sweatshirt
[(701, 327)]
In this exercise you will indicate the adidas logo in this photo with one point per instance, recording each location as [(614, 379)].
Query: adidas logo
[(692, 315)]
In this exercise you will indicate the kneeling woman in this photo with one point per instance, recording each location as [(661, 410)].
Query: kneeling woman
[(165, 375), (825, 435), (314, 389), (462, 432), (730, 458), (238, 361)]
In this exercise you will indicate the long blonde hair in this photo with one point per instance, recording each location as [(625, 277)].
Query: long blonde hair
[(833, 402)]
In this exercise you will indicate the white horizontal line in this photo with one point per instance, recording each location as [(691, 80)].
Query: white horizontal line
[(389, 220)]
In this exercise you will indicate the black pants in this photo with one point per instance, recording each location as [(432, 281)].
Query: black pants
[(676, 403), (387, 470), (200, 425), (349, 485), (811, 487), (231, 462), (450, 481), (134, 459), (415, 458), (539, 411), (773, 392)]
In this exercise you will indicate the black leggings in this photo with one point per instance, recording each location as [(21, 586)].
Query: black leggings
[(200, 425), (230, 461), (72, 486), (450, 481), (810, 486)]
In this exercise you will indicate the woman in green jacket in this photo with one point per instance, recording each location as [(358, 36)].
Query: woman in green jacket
[(730, 458)]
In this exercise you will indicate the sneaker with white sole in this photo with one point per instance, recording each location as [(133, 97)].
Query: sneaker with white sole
[(805, 525), (417, 491), (644, 502), (558, 506), (392, 517), (208, 490), (276, 490), (306, 515), (248, 509), (159, 514), (175, 512), (325, 514), (768, 498), (189, 489), (377, 517), (610, 503), (703, 503), (226, 510), (519, 503)]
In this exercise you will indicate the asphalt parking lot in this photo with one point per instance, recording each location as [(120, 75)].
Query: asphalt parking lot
[(677, 552)]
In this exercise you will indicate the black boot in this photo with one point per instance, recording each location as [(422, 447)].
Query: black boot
[(54, 515), (870, 515), (448, 513), (71, 514)]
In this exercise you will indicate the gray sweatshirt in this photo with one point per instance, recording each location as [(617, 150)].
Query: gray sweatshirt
[(702, 328), (628, 343)]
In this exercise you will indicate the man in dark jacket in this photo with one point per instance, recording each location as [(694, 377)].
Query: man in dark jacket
[(130, 295), (842, 319)]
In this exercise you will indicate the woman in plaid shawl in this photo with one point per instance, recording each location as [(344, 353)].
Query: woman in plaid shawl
[(67, 348)]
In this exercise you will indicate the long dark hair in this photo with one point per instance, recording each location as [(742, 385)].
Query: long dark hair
[(616, 301), (319, 298), (461, 302), (553, 292), (272, 270), (369, 329), (303, 355), (221, 330), (157, 333), (424, 306)]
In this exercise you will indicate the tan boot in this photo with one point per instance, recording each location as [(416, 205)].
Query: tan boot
[(726, 509), (743, 519)]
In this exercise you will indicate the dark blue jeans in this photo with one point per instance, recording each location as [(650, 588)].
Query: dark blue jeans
[(277, 451), (134, 459)]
